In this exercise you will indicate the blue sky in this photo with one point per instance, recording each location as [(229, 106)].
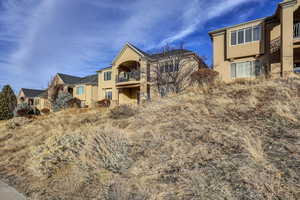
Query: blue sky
[(39, 38)]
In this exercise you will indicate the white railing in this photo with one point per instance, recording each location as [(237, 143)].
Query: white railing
[(297, 30)]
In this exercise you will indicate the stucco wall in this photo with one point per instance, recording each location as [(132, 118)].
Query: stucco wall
[(278, 30), (89, 96), (105, 85), (246, 49), (127, 54)]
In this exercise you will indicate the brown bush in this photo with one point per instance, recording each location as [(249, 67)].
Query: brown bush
[(103, 103), (122, 112), (74, 103), (45, 111), (204, 76)]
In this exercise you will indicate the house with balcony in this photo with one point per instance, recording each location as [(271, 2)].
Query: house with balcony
[(264, 47), (129, 80)]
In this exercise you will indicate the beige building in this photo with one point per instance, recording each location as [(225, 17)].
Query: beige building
[(36, 98), (87, 90), (129, 80), (83, 88), (267, 46)]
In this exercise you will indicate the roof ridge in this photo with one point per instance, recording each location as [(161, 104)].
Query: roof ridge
[(68, 75)]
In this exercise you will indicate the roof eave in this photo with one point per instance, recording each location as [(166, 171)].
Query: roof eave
[(221, 30)]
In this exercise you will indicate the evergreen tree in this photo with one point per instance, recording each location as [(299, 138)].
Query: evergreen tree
[(4, 108), (10, 97)]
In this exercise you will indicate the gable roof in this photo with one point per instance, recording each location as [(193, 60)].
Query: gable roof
[(104, 68), (89, 80), (134, 48), (137, 49), (31, 92), (69, 79)]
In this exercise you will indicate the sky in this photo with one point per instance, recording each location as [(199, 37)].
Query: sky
[(39, 38)]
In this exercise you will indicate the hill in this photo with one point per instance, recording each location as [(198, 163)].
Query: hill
[(234, 141)]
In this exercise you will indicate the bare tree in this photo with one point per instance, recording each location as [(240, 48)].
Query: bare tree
[(173, 68)]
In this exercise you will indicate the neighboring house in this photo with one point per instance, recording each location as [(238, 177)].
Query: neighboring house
[(129, 79), (33, 97), (42, 101), (267, 46), (83, 88), (87, 90)]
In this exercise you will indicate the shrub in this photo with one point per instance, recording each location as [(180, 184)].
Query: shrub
[(4, 108), (8, 103), (103, 103), (45, 111), (61, 102), (110, 149), (25, 110), (122, 112), (74, 103), (204, 76)]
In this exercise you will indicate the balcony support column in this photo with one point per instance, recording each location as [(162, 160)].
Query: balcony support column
[(143, 81), (287, 38)]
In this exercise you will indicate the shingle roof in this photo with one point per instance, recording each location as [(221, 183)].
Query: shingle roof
[(92, 80), (69, 79), (32, 92), (44, 94), (104, 68), (169, 53), (138, 49)]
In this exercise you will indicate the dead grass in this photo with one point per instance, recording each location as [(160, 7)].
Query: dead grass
[(235, 141)]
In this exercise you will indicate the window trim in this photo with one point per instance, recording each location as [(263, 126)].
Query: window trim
[(244, 30), (105, 75), (253, 66), (77, 90), (106, 92)]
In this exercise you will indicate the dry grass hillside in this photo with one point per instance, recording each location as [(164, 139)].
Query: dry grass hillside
[(237, 141)]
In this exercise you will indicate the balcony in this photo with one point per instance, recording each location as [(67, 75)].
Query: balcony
[(132, 77), (297, 30)]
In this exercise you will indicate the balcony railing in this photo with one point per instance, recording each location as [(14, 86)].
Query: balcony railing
[(128, 76), (297, 30)]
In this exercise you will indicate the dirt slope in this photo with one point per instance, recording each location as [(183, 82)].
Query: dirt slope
[(238, 141)]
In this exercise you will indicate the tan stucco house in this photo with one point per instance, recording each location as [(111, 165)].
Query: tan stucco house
[(87, 90), (129, 79), (267, 46), (36, 98), (83, 88)]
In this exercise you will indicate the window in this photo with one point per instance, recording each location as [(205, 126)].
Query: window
[(169, 67), (80, 90), (246, 69), (246, 35), (233, 38), (166, 67), (107, 76), (108, 95), (241, 36), (256, 33), (162, 69)]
